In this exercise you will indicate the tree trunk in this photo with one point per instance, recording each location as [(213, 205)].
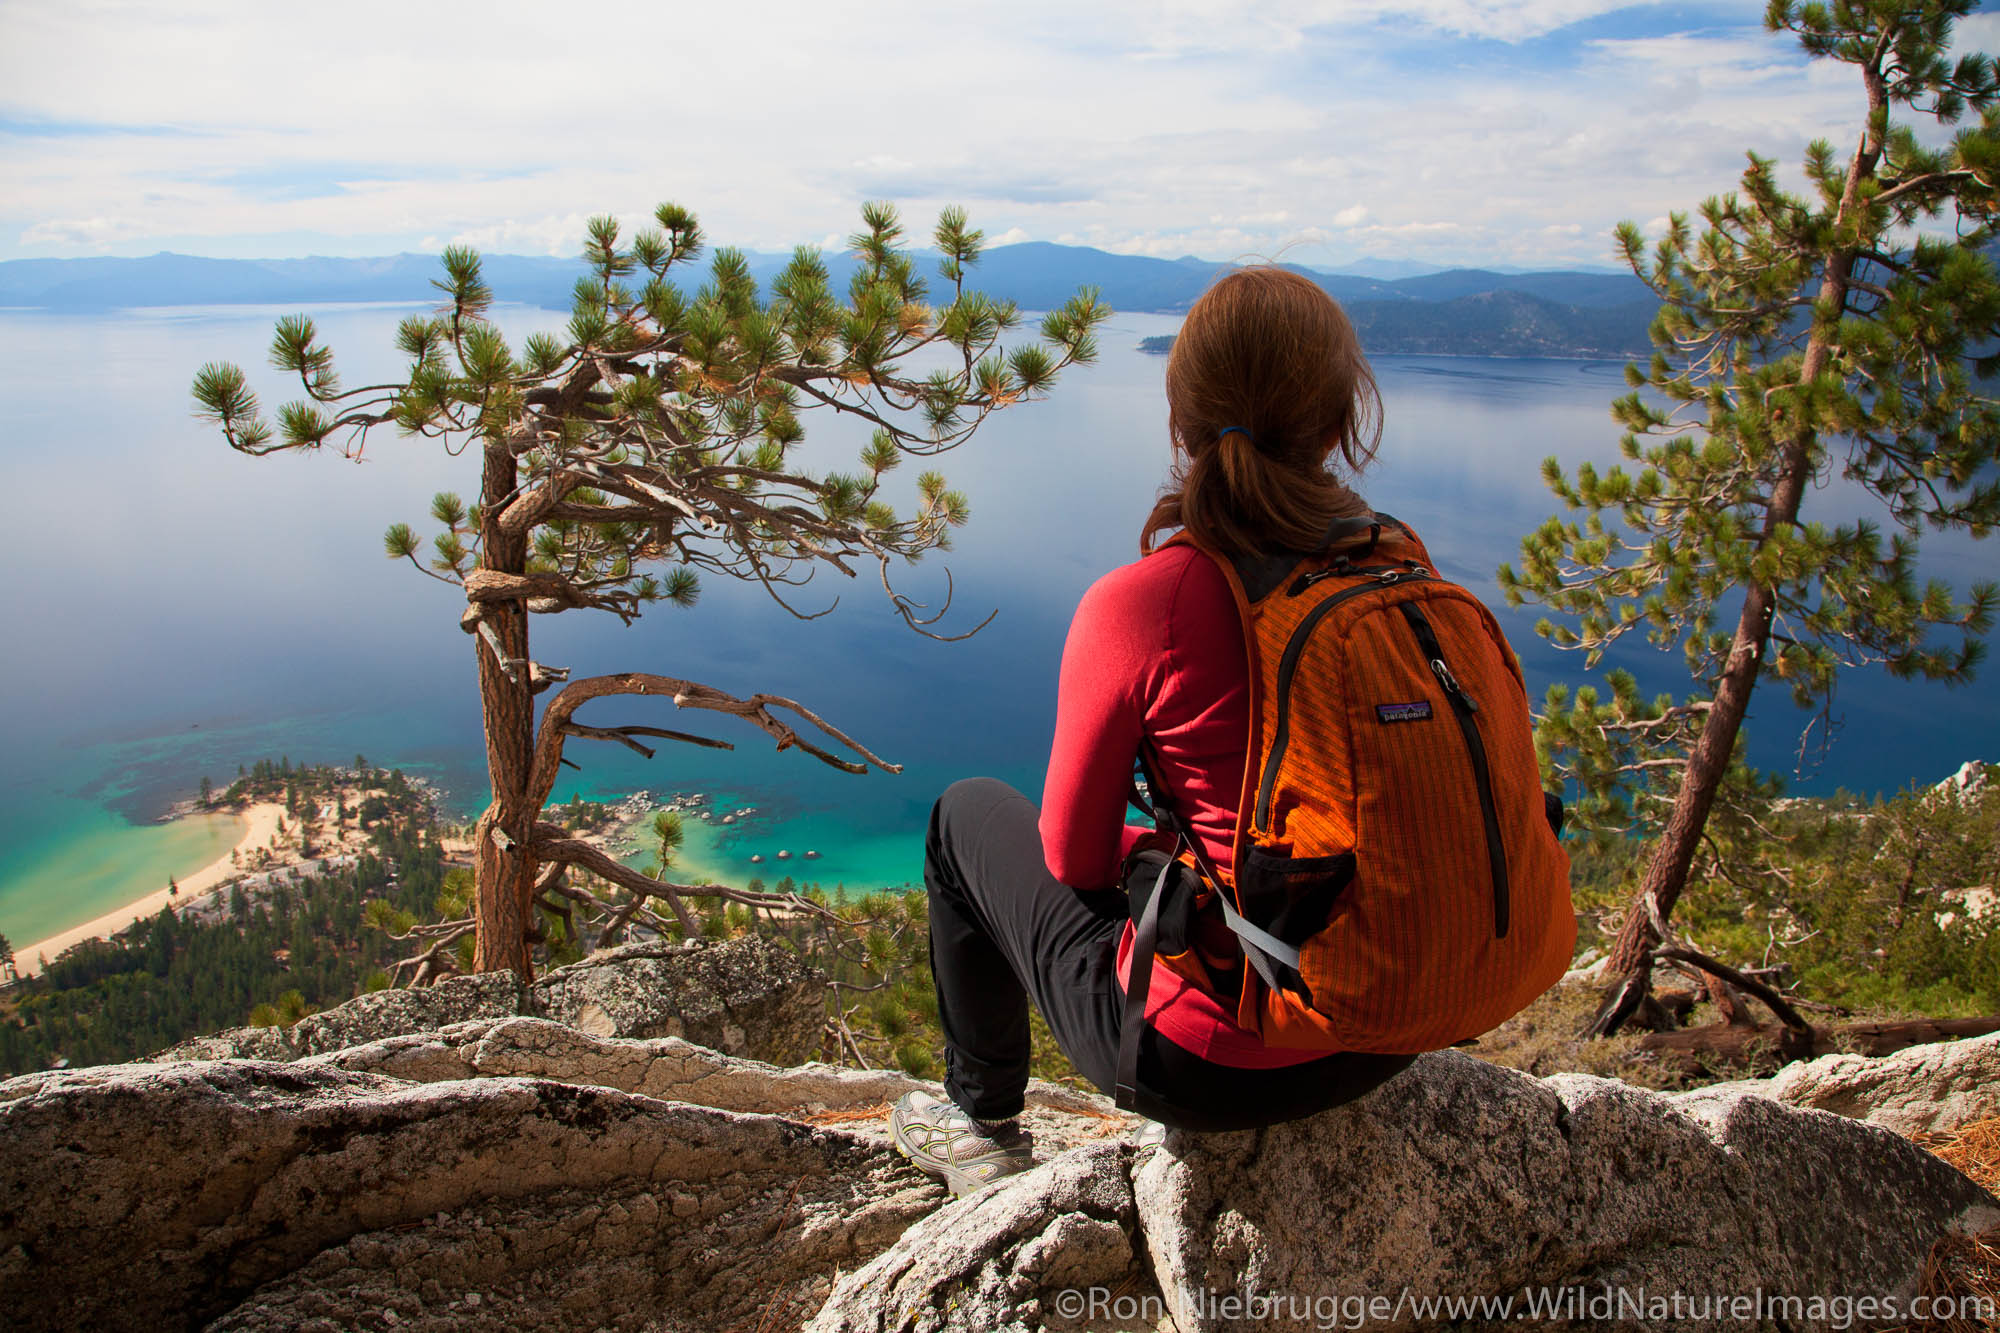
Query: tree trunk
[(1728, 1004), (503, 869), (1666, 873)]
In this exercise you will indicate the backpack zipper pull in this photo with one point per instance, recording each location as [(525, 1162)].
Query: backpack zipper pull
[(1384, 576), (1451, 684), (1338, 569)]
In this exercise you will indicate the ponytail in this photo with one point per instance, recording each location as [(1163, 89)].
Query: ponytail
[(1266, 382)]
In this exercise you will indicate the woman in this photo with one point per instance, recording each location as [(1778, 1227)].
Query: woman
[(1265, 384)]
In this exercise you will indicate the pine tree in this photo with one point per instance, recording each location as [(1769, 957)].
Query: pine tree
[(1799, 337), (661, 430), (668, 835)]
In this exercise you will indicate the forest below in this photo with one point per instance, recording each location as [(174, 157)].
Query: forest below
[(1856, 911)]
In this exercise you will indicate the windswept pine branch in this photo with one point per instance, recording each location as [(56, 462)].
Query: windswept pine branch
[(624, 736)]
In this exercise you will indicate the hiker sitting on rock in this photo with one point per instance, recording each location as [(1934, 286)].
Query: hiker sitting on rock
[(1301, 984)]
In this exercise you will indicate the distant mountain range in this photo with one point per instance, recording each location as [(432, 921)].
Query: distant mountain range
[(1474, 312)]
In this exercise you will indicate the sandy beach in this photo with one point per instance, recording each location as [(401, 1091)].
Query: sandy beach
[(262, 820)]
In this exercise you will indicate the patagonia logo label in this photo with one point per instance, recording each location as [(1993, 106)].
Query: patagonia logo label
[(1415, 712)]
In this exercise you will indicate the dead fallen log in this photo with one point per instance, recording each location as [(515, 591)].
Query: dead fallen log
[(1677, 1001), (1883, 1038), (1714, 1047)]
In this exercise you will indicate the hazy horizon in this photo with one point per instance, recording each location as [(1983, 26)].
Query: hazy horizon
[(1386, 268)]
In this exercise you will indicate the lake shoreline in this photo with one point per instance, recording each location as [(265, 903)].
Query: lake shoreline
[(1567, 358), (277, 836), (261, 821), (709, 821)]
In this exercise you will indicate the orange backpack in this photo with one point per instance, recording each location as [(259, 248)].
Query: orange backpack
[(1397, 882)]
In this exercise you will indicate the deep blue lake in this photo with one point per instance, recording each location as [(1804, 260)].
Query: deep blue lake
[(181, 609)]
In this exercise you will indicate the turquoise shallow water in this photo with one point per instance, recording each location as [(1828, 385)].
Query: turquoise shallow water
[(862, 844), (711, 853), (120, 863), (82, 836), (231, 609)]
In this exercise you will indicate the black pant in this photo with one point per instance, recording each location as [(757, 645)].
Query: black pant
[(1004, 929)]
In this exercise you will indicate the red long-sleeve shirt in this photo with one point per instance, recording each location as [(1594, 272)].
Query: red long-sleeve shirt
[(1155, 649)]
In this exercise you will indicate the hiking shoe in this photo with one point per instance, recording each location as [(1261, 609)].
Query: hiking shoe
[(1149, 1134), (942, 1141)]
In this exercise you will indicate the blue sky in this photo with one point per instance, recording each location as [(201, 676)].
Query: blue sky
[(1444, 131)]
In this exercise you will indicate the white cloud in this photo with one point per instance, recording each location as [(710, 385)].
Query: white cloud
[(81, 233), (1224, 127), (1499, 20), (1157, 29), (1979, 32), (1011, 236), (1716, 58), (543, 236)]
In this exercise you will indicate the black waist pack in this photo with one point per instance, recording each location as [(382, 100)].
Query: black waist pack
[(1178, 909)]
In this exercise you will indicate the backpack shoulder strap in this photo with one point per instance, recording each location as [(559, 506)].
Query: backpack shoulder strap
[(1373, 524)]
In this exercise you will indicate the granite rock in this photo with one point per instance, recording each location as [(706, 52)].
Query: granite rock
[(747, 996), (265, 1196), (1011, 1257), (675, 1070), (1933, 1088), (1456, 1182)]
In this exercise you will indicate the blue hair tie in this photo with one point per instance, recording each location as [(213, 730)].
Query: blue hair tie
[(1238, 430)]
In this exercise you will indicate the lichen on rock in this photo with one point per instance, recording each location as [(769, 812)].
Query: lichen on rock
[(748, 996)]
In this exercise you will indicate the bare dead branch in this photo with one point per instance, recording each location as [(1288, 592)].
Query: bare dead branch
[(624, 735), (543, 594), (556, 720), (552, 843), (907, 609), (1773, 1001), (427, 966), (509, 666)]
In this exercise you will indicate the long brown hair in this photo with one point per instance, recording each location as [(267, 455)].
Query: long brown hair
[(1268, 357)]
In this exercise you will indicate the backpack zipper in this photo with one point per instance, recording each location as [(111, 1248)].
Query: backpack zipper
[(1341, 570), (1463, 706), (1380, 577)]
